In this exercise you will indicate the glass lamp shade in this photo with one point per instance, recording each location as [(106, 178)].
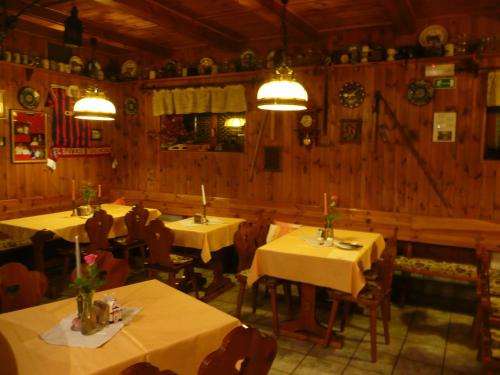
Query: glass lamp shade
[(235, 122), (282, 93), (94, 106)]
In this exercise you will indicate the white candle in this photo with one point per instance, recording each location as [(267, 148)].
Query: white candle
[(203, 198), (77, 257)]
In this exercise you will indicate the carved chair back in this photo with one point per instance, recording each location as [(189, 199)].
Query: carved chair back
[(98, 228), (159, 239), (245, 243), (136, 220)]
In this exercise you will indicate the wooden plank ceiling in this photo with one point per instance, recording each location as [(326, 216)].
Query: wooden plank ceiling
[(163, 26)]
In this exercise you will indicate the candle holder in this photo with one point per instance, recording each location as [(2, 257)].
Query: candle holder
[(74, 213), (204, 217)]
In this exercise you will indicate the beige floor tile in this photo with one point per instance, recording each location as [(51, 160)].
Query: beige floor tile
[(384, 365), (294, 344), (335, 355), (426, 336), (287, 360), (278, 372), (462, 358), (406, 366), (394, 347), (424, 352), (352, 370), (315, 366)]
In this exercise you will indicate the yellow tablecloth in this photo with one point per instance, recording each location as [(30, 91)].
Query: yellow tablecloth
[(206, 237), (173, 330), (66, 226), (292, 257)]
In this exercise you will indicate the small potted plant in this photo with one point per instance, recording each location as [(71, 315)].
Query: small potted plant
[(88, 193)]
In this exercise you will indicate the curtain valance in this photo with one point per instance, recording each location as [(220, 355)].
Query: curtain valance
[(199, 100)]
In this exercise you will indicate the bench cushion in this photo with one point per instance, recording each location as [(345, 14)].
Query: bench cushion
[(424, 266), (9, 243)]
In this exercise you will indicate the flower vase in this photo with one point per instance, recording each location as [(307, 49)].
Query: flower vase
[(328, 231), (88, 317)]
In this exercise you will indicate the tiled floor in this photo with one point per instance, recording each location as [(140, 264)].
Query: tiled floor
[(422, 341)]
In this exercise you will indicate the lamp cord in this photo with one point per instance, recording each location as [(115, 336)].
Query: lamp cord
[(284, 31)]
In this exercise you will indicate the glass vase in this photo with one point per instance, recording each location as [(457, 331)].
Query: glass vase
[(328, 231), (88, 317)]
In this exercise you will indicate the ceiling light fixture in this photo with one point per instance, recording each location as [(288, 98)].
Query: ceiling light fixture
[(282, 92), (94, 105), (73, 30), (235, 122)]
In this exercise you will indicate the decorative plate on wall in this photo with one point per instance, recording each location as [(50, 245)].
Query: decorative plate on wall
[(420, 92), (433, 35), (28, 97), (131, 106)]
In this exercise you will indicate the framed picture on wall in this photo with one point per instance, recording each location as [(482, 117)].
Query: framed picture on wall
[(28, 136), (3, 110), (96, 134), (444, 126)]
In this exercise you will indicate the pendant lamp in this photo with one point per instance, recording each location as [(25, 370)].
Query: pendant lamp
[(282, 92), (94, 105), (73, 30)]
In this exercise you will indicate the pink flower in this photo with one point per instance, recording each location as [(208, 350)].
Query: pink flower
[(90, 259)]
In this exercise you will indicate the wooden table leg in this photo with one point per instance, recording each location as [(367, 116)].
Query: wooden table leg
[(220, 283), (306, 326), (39, 239)]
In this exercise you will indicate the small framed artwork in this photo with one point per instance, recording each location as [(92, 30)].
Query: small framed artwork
[(96, 134), (3, 110), (29, 136), (444, 127), (350, 130)]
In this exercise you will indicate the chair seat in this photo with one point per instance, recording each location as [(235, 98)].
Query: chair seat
[(433, 267), (494, 282), (9, 243), (179, 259), (495, 343), (370, 291), (244, 272)]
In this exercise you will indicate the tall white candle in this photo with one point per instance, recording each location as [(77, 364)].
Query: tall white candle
[(203, 198), (77, 257)]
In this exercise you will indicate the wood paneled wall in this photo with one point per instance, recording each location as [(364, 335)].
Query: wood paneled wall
[(33, 188), (388, 179)]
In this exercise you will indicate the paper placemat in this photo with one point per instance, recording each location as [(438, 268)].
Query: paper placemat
[(61, 334)]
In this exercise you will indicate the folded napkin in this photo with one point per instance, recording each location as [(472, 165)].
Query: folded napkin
[(61, 334)]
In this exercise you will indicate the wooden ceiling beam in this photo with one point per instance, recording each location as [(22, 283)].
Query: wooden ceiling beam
[(29, 26), (401, 14), (103, 35), (270, 11), (167, 17)]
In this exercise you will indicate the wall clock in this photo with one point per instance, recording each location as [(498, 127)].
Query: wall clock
[(308, 127), (352, 94)]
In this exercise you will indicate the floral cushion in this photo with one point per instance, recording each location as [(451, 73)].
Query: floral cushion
[(9, 243), (179, 259), (433, 267), (495, 343), (495, 282)]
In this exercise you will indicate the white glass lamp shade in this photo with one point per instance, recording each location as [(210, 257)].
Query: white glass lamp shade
[(94, 106), (235, 122)]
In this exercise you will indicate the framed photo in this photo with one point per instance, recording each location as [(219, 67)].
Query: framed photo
[(444, 127), (350, 130), (28, 136), (96, 134), (3, 110)]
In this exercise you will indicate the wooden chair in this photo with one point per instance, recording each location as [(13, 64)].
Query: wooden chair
[(489, 313), (98, 228), (375, 295), (244, 351), (20, 288), (114, 270), (145, 368), (245, 241), (159, 240), (262, 228), (135, 220)]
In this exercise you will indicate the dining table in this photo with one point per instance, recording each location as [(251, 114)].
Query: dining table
[(65, 225), (301, 256), (171, 330), (211, 236)]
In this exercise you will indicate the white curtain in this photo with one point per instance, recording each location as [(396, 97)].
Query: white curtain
[(200, 100)]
